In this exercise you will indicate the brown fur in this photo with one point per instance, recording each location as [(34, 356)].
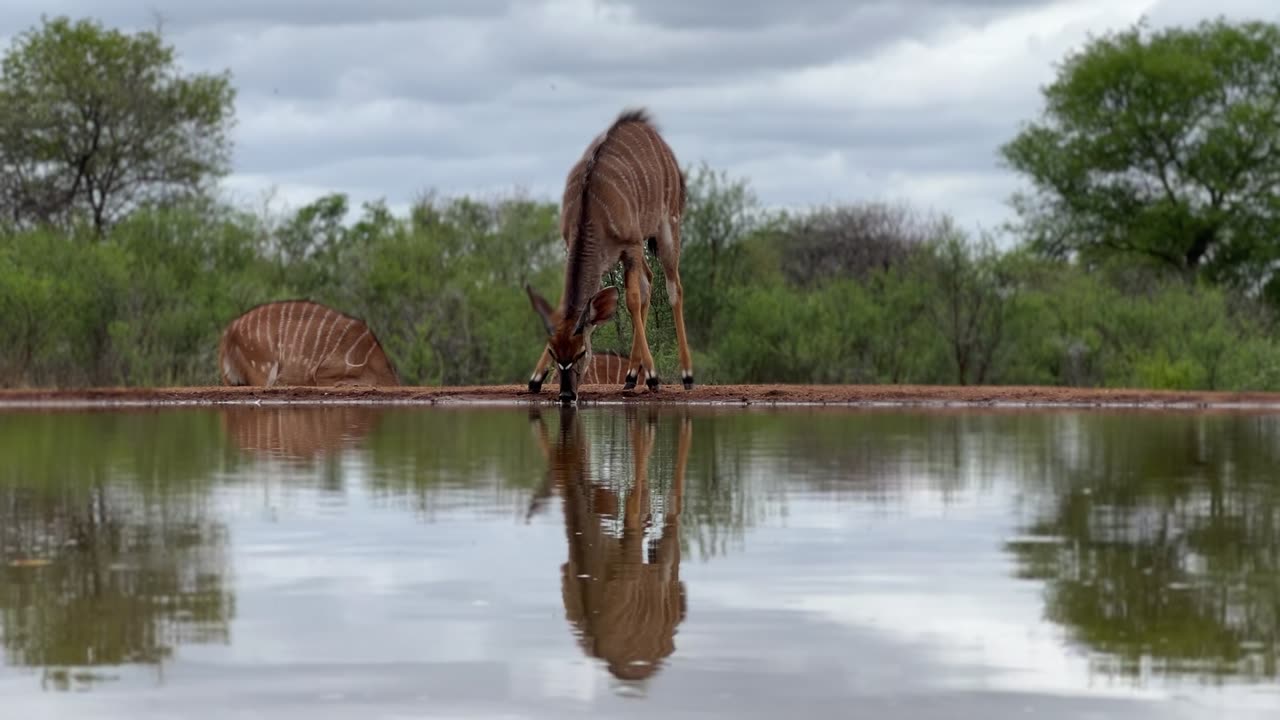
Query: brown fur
[(606, 367), (626, 190), (299, 342), (624, 610)]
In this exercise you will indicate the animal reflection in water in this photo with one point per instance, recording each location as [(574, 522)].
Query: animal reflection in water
[(621, 589), (297, 433)]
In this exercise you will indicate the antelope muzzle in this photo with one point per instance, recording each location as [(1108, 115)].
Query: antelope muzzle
[(568, 385)]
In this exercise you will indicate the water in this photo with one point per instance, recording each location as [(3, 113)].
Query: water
[(399, 563)]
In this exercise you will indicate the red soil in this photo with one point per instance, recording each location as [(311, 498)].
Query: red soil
[(911, 395)]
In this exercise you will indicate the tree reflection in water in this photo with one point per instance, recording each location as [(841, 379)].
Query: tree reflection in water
[(1159, 551), (111, 558)]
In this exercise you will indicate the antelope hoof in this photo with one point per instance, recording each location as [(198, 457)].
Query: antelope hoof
[(653, 383), (631, 382), (688, 381), (535, 386)]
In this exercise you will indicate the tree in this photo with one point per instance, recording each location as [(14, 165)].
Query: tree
[(94, 122), (1163, 147), (851, 241), (1160, 555), (720, 213), (971, 302)]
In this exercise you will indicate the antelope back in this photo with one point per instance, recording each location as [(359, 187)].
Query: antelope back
[(629, 180), (299, 342)]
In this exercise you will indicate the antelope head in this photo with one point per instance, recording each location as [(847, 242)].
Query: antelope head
[(569, 337)]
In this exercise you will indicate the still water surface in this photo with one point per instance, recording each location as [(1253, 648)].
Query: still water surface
[(397, 563)]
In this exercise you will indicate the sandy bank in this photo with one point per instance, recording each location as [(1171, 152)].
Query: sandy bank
[(758, 395)]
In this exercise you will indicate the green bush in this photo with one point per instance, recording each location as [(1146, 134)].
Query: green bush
[(442, 287)]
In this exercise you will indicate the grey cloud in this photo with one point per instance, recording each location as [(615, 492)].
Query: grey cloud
[(330, 12), (689, 57), (911, 144), (801, 127), (330, 62), (1189, 12), (185, 15), (391, 97), (474, 59), (769, 13)]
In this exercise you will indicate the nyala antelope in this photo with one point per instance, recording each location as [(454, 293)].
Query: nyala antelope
[(299, 342), (605, 367), (625, 192)]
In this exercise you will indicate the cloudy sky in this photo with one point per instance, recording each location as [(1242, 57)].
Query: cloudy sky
[(814, 102)]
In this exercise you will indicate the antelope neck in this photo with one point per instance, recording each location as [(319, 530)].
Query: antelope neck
[(581, 278)]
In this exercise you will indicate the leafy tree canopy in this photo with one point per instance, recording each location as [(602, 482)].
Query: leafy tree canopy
[(94, 122), (1161, 146)]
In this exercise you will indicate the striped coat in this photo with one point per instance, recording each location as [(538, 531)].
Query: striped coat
[(297, 433), (606, 367), (299, 342), (626, 192), (620, 584)]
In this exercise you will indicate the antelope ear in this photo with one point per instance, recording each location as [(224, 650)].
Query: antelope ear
[(542, 307), (601, 308)]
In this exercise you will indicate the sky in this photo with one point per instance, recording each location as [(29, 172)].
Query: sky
[(812, 103)]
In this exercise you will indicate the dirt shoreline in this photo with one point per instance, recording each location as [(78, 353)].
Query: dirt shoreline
[(741, 395)]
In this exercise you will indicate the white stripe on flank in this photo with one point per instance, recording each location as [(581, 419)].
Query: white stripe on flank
[(288, 331), (648, 136), (301, 334), (607, 214), (653, 162), (285, 328), (306, 346), (637, 163), (273, 330), (340, 340), (295, 341), (575, 184), (608, 168), (623, 196), (670, 183), (336, 341), (315, 341), (633, 177), (257, 326), (229, 371), (286, 316), (347, 358)]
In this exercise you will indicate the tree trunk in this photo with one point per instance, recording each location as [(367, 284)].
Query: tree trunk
[(1200, 244)]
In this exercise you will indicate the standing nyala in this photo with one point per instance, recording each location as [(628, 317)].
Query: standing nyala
[(624, 194)]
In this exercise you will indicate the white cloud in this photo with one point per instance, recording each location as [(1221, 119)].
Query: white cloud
[(818, 103)]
